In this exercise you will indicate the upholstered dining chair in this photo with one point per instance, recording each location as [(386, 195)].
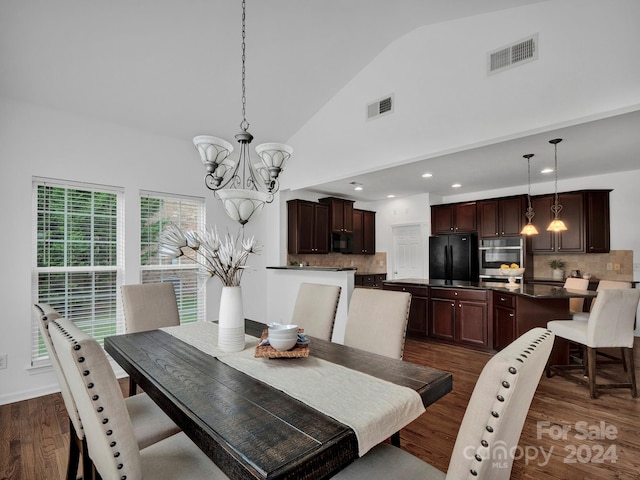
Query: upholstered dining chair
[(148, 306), (377, 321), (609, 325), (491, 425), (602, 285), (110, 434), (315, 309), (576, 304), (149, 422)]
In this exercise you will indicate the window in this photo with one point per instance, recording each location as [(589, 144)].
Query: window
[(157, 210), (78, 256)]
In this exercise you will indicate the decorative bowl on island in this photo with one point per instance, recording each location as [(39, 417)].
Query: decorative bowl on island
[(512, 273)]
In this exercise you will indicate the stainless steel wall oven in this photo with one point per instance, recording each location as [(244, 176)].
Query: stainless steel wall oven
[(494, 252)]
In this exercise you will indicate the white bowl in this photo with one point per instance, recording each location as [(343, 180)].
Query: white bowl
[(276, 327), (283, 344)]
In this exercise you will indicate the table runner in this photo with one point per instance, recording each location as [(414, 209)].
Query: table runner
[(373, 408)]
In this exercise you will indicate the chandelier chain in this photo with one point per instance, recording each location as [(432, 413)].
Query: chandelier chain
[(244, 125)]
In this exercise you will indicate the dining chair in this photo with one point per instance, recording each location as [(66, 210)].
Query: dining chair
[(149, 422), (110, 434), (602, 285), (315, 309), (148, 306), (377, 321), (576, 304), (491, 425), (609, 325)]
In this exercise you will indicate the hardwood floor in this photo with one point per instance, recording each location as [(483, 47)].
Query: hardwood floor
[(34, 433)]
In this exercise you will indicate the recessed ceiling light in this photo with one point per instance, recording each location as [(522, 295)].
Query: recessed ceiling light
[(546, 170), (358, 188), (456, 185), (391, 196), (427, 175)]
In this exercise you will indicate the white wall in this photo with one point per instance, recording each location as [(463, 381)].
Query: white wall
[(40, 142), (445, 101)]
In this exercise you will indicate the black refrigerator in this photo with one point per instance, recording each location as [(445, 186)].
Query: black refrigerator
[(453, 257)]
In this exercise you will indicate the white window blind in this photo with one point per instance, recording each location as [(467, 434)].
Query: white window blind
[(157, 211), (78, 256)]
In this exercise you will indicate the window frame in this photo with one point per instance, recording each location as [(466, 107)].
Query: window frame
[(69, 271), (177, 265)]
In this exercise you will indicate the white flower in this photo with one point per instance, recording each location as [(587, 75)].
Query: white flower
[(222, 258)]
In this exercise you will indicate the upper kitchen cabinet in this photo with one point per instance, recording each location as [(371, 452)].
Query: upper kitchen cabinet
[(453, 218), (586, 215), (501, 217), (340, 214), (308, 227), (364, 232)]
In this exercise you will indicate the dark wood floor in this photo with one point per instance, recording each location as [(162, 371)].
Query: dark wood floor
[(34, 433)]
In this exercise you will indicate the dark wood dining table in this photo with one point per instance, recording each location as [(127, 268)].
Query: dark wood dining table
[(248, 428)]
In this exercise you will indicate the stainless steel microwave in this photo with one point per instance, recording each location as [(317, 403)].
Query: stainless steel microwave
[(494, 252), (342, 242)]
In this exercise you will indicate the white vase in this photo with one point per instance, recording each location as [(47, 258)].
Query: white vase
[(231, 320), (558, 274)]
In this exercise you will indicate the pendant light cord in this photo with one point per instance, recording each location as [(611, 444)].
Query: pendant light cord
[(244, 125)]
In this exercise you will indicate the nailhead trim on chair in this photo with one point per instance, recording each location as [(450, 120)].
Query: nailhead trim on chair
[(95, 398), (501, 397)]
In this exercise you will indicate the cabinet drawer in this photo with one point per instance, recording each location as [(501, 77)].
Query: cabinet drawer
[(414, 290), (504, 300), (459, 294)]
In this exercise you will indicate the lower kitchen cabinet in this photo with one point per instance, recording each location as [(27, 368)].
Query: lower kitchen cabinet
[(418, 324), (371, 280), (460, 315), (504, 320)]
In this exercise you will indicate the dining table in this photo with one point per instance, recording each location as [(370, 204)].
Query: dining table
[(276, 418)]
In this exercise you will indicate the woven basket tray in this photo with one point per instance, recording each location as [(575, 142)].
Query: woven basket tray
[(267, 351)]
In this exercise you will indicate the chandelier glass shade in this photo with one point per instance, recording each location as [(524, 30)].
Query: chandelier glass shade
[(529, 228), (242, 186), (556, 225)]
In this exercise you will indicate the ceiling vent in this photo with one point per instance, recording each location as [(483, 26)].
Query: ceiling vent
[(517, 53), (380, 107)]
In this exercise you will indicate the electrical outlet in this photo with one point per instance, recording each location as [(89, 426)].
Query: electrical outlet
[(616, 266), (609, 266), (3, 361)]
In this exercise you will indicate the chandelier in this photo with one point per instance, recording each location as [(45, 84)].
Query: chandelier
[(529, 228), (556, 224), (242, 186)]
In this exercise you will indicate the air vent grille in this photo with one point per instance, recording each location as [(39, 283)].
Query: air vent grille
[(380, 107), (517, 53)]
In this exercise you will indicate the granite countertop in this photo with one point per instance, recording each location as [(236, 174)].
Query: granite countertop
[(326, 269), (526, 290)]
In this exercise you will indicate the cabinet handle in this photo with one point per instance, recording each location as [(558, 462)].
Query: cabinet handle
[(460, 305), (455, 293), (511, 314), (453, 304), (502, 299)]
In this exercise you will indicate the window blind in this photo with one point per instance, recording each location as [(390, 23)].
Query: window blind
[(157, 211), (78, 256)]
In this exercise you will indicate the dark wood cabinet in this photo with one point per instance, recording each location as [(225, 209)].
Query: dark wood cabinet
[(308, 227), (364, 232), (340, 214), (455, 217), (418, 323), (586, 215), (460, 315), (371, 280), (501, 217), (504, 320)]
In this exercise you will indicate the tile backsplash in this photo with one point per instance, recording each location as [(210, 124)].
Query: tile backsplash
[(597, 264), (364, 263)]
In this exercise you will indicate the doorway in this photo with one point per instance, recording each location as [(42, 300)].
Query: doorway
[(408, 251)]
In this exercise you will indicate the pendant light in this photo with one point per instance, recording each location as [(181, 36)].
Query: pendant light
[(529, 228), (556, 224), (242, 186)]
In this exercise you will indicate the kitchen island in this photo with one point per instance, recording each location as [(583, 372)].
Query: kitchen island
[(283, 283), (487, 315)]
